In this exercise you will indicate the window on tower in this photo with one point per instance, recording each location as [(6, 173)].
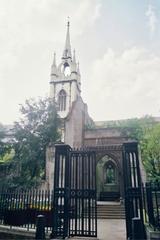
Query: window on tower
[(62, 100)]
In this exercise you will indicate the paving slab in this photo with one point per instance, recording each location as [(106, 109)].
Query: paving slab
[(108, 229), (111, 229)]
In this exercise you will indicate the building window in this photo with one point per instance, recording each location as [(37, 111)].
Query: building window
[(110, 176), (62, 100)]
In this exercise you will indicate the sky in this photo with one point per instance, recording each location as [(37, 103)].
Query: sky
[(117, 43)]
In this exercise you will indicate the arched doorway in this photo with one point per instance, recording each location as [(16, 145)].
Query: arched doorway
[(108, 179)]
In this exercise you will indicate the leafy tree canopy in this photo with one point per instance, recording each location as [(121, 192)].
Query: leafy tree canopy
[(1, 141), (134, 127), (147, 132), (5, 146), (150, 148), (37, 128)]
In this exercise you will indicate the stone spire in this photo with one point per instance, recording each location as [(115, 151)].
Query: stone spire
[(67, 49)]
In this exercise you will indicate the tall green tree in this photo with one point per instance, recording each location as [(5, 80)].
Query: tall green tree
[(150, 149), (37, 128)]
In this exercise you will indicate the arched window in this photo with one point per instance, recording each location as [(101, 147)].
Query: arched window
[(62, 100), (110, 173)]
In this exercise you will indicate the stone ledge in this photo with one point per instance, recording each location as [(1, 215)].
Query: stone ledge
[(151, 234), (18, 231)]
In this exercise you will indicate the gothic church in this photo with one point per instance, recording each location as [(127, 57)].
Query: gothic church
[(65, 89)]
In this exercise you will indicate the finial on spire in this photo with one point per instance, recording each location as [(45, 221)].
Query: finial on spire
[(78, 71), (74, 56), (54, 59)]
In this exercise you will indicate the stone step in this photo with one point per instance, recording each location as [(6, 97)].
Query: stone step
[(109, 196), (110, 208), (107, 216), (110, 214), (110, 211), (111, 217)]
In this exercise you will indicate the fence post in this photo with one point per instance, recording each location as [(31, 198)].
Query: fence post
[(137, 229), (61, 192), (40, 227)]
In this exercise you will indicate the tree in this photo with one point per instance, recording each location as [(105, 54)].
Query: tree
[(5, 146), (35, 131), (147, 132), (150, 149), (6, 155), (1, 141), (133, 128)]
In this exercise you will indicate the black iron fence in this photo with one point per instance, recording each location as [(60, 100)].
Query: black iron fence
[(75, 207), (133, 191), (21, 208), (151, 198)]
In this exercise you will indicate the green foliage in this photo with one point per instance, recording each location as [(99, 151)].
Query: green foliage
[(8, 156), (90, 125), (147, 132), (150, 149), (2, 131), (133, 128), (2, 145), (32, 134), (5, 147)]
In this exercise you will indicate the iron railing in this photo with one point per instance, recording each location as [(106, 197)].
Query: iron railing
[(21, 207), (132, 189), (151, 198), (75, 207)]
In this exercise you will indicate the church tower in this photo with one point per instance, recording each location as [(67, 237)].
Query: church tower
[(65, 85), (65, 90)]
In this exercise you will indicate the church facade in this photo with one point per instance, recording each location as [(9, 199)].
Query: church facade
[(79, 130)]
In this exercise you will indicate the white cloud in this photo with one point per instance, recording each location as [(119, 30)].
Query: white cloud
[(124, 85), (30, 31), (152, 18)]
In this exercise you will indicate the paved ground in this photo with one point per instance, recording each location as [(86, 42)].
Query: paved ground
[(108, 229), (111, 229)]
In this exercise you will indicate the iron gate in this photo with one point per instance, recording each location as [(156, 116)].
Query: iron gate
[(132, 187), (75, 209)]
